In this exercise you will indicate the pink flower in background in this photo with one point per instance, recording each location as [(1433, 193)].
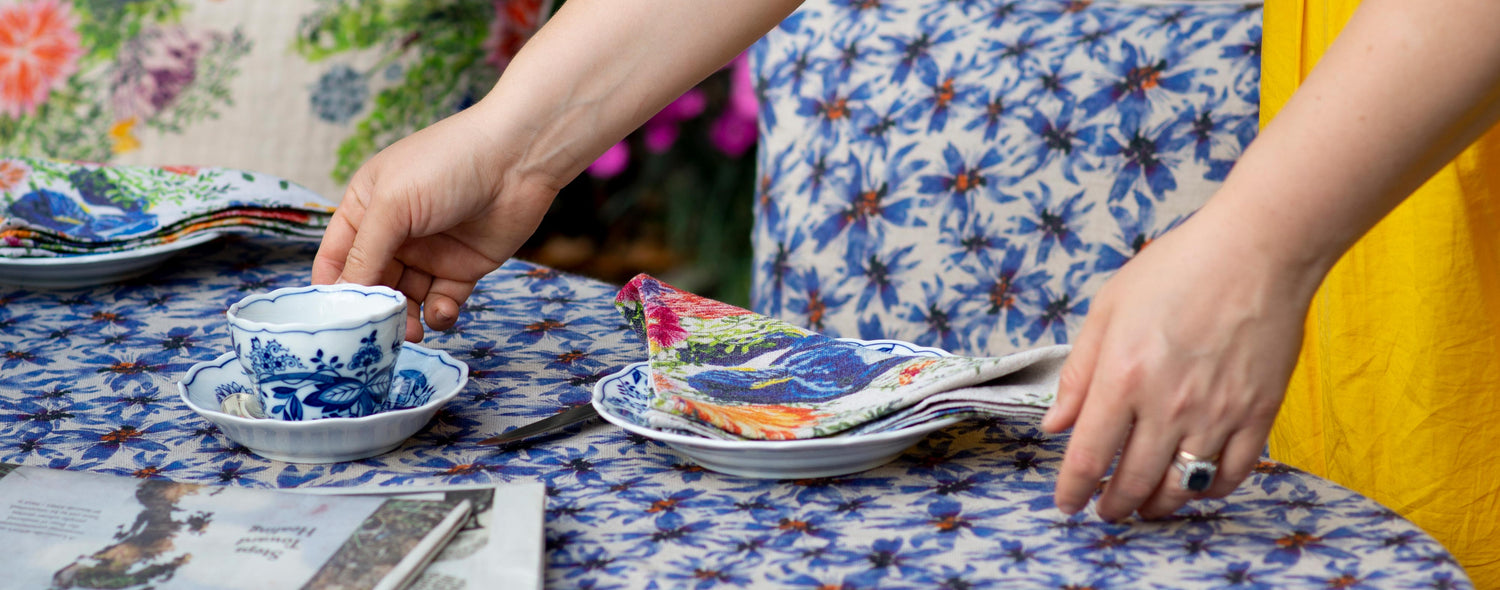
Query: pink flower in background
[(39, 49), (734, 132), (154, 68), (742, 98), (660, 133), (659, 137), (687, 106), (611, 163)]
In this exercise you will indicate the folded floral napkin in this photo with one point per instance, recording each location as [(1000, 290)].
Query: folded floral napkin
[(724, 372), (51, 208)]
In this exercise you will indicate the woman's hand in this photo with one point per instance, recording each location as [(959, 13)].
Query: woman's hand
[(1188, 348), (436, 211), (432, 214)]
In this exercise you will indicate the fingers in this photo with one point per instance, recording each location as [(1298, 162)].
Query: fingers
[(416, 285), (337, 238), (372, 253), (1077, 373), (1100, 430), (1240, 455), (1169, 494), (443, 301), (1140, 474)]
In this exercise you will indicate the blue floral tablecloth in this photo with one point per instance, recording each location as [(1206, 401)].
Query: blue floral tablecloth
[(86, 383)]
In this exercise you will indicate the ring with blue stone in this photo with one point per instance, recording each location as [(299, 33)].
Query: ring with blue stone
[(1197, 472)]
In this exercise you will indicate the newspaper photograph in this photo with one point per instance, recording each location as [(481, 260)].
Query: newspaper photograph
[(499, 546), (68, 529)]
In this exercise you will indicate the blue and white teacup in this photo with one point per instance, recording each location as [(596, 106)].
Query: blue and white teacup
[(323, 351)]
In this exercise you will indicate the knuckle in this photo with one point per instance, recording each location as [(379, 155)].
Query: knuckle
[(1132, 488)]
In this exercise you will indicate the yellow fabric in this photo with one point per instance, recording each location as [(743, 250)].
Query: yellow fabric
[(1397, 391)]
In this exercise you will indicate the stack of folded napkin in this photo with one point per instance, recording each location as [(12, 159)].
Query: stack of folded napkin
[(723, 372), (52, 208)]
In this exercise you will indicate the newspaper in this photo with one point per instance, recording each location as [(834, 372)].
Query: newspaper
[(69, 529), (495, 549)]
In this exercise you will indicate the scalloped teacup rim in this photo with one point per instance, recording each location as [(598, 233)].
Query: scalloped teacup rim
[(398, 306)]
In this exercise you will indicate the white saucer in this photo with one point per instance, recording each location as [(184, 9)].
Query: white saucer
[(70, 272), (428, 377), (621, 399)]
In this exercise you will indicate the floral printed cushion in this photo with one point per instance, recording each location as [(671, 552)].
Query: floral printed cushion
[(724, 372), (303, 89), (966, 174)]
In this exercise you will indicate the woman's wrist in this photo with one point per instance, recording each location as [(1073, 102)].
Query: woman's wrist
[(1256, 237)]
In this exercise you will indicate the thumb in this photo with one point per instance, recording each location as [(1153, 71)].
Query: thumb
[(380, 234)]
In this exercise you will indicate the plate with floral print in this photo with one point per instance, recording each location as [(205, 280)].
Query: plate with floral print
[(623, 399)]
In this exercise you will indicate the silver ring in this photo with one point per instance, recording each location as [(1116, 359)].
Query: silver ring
[(1197, 472)]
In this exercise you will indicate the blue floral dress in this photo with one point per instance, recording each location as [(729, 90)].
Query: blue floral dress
[(967, 174)]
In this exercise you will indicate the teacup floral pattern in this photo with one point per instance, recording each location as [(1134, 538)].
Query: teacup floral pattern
[(323, 386)]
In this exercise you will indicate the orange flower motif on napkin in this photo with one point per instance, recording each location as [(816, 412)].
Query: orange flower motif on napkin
[(39, 49), (11, 174), (766, 422), (912, 370)]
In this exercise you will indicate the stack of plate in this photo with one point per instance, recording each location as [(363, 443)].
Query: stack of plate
[(67, 224)]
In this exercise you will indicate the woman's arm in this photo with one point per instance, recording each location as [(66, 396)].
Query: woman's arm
[(436, 211), (1191, 345)]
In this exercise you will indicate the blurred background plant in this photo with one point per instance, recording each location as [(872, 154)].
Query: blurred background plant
[(673, 199)]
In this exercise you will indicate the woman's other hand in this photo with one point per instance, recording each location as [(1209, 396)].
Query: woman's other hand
[(1188, 348)]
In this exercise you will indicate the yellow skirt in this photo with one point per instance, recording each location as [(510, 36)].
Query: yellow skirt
[(1397, 390)]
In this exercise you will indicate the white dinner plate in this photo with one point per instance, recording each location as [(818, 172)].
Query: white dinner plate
[(621, 399), (70, 272)]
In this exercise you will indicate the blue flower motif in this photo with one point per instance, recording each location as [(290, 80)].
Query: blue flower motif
[(1059, 308), (702, 574), (1147, 158), (224, 390), (368, 354), (946, 91), (339, 94), (1017, 555), (836, 109), (271, 358), (890, 558), (935, 313), (1055, 223), (1058, 138), (915, 51), (1138, 74), (870, 204), (964, 178), (880, 272)]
